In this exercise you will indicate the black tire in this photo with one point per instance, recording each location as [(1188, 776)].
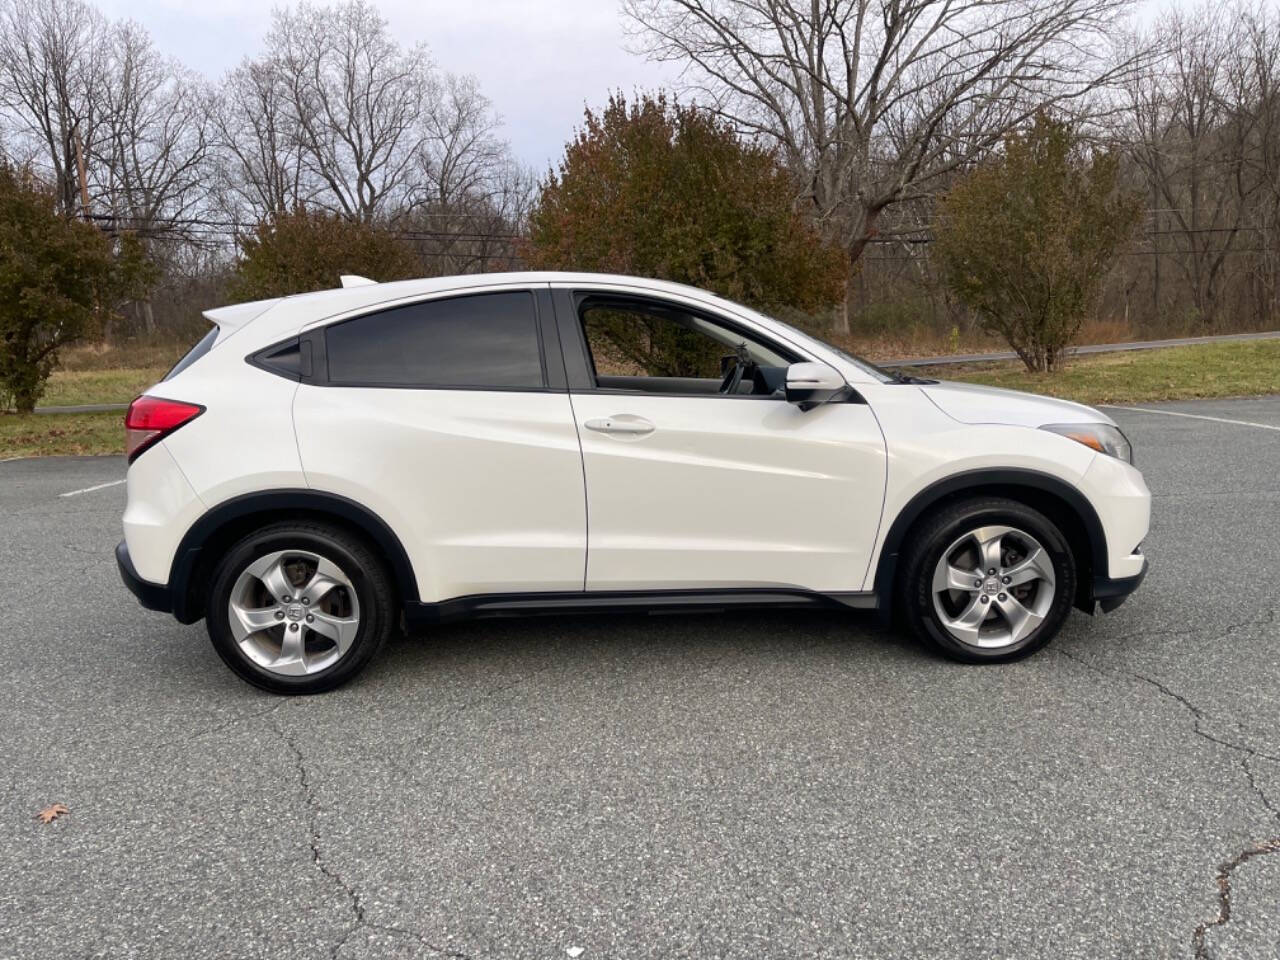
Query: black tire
[(363, 567), (940, 530)]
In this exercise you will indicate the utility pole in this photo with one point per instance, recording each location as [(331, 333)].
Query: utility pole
[(1155, 253), (81, 171)]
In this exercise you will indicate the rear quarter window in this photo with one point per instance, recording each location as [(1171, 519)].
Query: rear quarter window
[(478, 341), (203, 346)]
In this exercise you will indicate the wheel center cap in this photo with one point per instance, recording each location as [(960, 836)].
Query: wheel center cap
[(295, 611), (991, 586)]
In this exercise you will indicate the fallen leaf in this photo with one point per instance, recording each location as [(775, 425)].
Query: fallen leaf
[(52, 812)]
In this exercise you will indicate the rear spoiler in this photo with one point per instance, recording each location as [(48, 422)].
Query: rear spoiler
[(231, 318)]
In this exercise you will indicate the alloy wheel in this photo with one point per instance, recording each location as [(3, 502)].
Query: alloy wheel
[(293, 612), (993, 586)]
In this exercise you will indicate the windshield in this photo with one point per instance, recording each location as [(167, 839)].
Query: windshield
[(864, 365)]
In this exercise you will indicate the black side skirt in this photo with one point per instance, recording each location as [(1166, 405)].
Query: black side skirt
[(628, 601)]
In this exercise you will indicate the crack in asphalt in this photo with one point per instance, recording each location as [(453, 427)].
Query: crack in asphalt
[(1266, 620), (416, 742), (1248, 772), (358, 910), (242, 718), (1199, 715), (1199, 938)]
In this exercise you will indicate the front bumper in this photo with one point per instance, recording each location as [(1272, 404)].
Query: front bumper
[(1110, 593), (153, 596)]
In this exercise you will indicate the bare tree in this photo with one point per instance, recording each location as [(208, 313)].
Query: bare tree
[(1254, 79), (52, 70), (459, 156), (261, 170), (874, 102), (478, 229), (1194, 121), (150, 163), (470, 197), (355, 100), (337, 115)]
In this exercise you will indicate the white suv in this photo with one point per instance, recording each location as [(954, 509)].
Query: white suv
[(321, 466)]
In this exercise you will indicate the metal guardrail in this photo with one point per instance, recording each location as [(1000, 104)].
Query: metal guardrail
[(915, 362), (85, 408), (1085, 349)]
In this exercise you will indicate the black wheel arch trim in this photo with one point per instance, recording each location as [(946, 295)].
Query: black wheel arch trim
[(977, 482), (1111, 593), (152, 596), (188, 555)]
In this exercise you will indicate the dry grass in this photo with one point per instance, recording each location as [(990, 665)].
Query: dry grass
[(104, 373), (1177, 373), (68, 388), (42, 435), (105, 356), (918, 341)]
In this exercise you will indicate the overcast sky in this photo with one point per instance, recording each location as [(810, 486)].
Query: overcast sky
[(538, 61)]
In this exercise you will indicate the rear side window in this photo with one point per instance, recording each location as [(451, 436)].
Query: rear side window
[(485, 340), (203, 346)]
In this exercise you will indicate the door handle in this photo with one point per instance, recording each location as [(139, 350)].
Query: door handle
[(624, 424)]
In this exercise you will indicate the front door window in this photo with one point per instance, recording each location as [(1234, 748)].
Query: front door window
[(662, 348)]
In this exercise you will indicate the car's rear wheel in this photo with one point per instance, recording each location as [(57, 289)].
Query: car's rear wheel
[(299, 607), (987, 579)]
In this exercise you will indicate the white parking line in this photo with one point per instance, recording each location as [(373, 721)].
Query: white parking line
[(1197, 416), (101, 486)]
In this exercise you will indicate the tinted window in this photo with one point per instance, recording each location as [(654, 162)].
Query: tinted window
[(487, 340), (648, 340), (203, 346), (291, 359)]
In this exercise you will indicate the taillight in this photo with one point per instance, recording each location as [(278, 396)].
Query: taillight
[(151, 418)]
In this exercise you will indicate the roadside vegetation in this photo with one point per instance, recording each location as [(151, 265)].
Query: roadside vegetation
[(60, 434), (73, 388), (100, 374), (60, 278), (1025, 239), (1143, 376), (659, 189)]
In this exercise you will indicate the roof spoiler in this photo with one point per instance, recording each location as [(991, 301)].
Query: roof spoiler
[(236, 315)]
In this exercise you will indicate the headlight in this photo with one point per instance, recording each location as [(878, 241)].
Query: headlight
[(1102, 437)]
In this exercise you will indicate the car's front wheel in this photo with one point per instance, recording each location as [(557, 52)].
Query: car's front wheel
[(299, 607), (988, 579)]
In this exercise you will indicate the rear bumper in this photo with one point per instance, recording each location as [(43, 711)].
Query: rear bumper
[(1110, 593), (153, 596)]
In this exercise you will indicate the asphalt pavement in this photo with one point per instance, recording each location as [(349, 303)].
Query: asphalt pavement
[(735, 785)]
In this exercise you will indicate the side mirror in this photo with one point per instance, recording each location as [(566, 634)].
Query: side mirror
[(812, 384)]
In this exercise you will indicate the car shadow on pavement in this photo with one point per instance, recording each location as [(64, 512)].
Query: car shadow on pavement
[(681, 639)]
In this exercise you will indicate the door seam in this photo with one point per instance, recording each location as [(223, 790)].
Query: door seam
[(586, 502)]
